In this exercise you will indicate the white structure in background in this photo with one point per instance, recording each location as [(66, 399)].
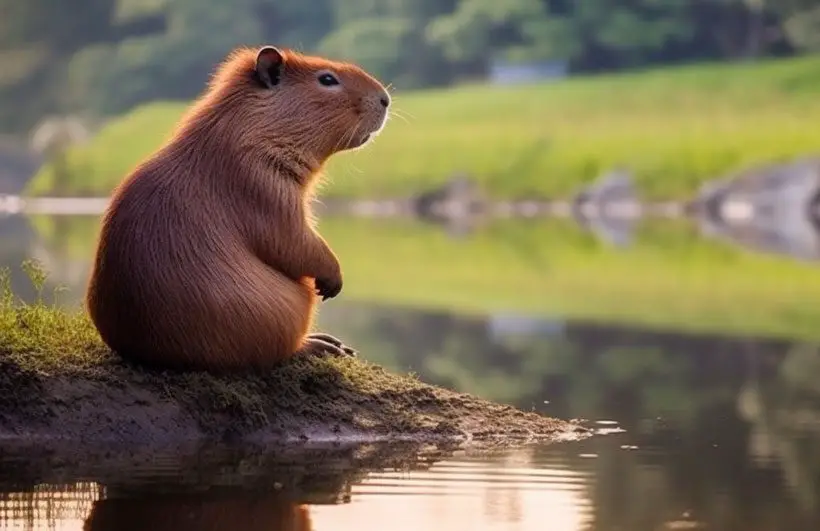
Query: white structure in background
[(48, 141), (506, 324), (10, 204), (58, 132), (504, 72)]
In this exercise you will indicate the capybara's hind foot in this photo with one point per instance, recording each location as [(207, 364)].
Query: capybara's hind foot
[(318, 347), (333, 340)]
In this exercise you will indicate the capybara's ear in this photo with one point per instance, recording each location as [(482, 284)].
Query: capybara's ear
[(269, 61)]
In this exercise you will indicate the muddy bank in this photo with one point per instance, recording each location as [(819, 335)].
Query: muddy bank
[(104, 400)]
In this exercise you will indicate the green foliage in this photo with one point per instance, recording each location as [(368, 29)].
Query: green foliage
[(112, 55), (478, 26), (59, 23), (377, 44), (111, 78), (675, 128), (128, 10)]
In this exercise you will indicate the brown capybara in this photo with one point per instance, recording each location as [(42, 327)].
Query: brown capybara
[(199, 513), (208, 257)]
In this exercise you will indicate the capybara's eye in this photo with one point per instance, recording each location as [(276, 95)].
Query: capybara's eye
[(328, 80)]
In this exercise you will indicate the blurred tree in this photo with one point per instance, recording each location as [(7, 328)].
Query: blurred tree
[(742, 28), (387, 37), (616, 34), (295, 23), (375, 43), (38, 38), (106, 56), (477, 28), (802, 23), (176, 64), (594, 33), (63, 26)]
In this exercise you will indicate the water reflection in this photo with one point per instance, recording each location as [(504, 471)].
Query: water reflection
[(722, 430), (221, 512), (720, 433), (603, 483), (508, 491), (342, 489), (48, 506)]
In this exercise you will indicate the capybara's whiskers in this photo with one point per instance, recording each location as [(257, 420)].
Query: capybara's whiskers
[(398, 115), (403, 112)]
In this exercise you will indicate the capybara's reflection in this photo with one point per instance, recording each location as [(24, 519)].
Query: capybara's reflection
[(238, 511)]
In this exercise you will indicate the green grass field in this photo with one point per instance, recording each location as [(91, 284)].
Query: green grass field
[(670, 278), (675, 128)]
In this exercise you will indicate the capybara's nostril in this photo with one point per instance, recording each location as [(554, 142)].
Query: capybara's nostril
[(385, 101)]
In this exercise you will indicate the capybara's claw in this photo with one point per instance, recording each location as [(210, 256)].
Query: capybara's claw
[(319, 348), (350, 351), (326, 338)]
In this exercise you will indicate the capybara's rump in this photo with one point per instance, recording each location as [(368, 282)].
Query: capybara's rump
[(223, 315)]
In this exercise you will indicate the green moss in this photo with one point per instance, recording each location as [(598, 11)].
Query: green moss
[(53, 359), (37, 337), (676, 128)]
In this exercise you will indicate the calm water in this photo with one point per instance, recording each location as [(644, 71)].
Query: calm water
[(702, 431)]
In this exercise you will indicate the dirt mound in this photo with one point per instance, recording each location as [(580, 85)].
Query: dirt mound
[(309, 399)]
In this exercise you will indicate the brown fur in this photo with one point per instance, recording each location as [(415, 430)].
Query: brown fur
[(189, 513), (208, 257)]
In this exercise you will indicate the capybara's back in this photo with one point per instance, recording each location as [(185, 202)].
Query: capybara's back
[(192, 291)]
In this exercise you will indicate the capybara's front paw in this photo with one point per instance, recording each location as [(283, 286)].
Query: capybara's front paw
[(327, 288)]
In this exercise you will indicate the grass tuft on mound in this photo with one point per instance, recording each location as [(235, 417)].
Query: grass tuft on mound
[(58, 380), (41, 338)]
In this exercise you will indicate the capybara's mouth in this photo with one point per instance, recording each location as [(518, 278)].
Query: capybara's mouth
[(359, 141)]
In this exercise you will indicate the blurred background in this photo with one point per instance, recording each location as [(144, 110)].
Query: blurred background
[(595, 209)]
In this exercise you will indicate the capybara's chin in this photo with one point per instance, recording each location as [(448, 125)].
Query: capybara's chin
[(358, 141)]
